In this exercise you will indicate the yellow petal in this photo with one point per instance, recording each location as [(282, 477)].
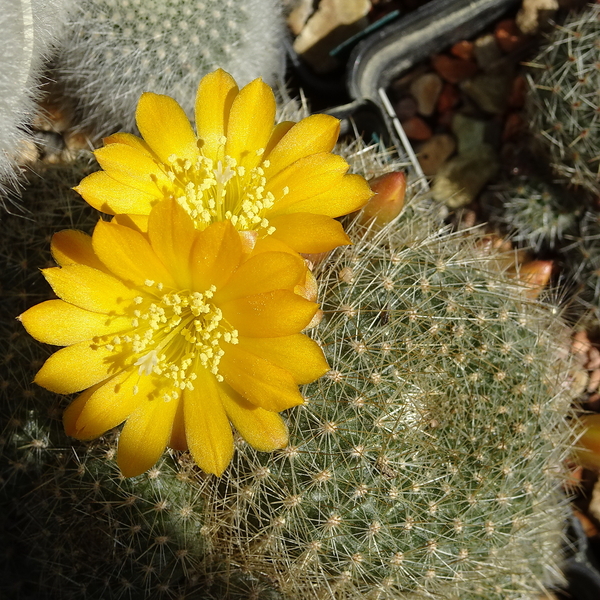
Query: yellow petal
[(348, 195), (207, 428), (165, 127), (271, 244), (74, 247), (259, 381), (138, 223), (305, 178), (172, 235), (108, 405), (89, 288), (133, 168), (277, 134), (74, 409), (130, 140), (128, 254), (178, 441), (250, 124), (110, 196), (145, 436), (214, 98), (264, 273), (216, 254), (263, 429), (271, 314), (62, 324), (297, 354), (78, 367), (308, 232), (317, 133)]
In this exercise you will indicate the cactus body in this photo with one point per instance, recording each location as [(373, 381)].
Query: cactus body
[(533, 212), (29, 31), (117, 50), (563, 102), (428, 463)]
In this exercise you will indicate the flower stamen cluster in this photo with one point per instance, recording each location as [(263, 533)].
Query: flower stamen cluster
[(175, 319), (210, 191)]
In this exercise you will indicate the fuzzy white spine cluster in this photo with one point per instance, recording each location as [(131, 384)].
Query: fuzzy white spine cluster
[(118, 49), (30, 30)]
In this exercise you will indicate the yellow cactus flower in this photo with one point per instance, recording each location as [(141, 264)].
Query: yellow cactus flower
[(178, 332), (280, 180)]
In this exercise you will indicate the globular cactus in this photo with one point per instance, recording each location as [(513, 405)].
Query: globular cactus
[(563, 101), (29, 32), (427, 463), (533, 212), (115, 50)]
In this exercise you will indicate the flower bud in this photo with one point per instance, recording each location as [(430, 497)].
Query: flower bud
[(388, 201)]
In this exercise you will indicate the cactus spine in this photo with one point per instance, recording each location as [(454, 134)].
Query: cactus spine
[(563, 101), (533, 212), (118, 49)]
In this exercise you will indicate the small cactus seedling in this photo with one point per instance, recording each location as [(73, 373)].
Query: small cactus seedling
[(534, 213)]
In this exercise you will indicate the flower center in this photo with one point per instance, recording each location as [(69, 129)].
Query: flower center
[(174, 335), (211, 191)]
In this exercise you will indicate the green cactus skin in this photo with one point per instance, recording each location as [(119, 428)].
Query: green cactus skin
[(534, 213), (428, 463), (563, 100), (118, 49)]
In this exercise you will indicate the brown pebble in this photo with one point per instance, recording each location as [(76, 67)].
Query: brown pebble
[(435, 152), (426, 90), (51, 117), (448, 99), (77, 140), (509, 36), (406, 108), (416, 129), (593, 359), (27, 152), (453, 70), (518, 89), (588, 526), (463, 49), (445, 119)]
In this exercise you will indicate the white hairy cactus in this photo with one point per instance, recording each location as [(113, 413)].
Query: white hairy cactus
[(30, 29), (118, 49)]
